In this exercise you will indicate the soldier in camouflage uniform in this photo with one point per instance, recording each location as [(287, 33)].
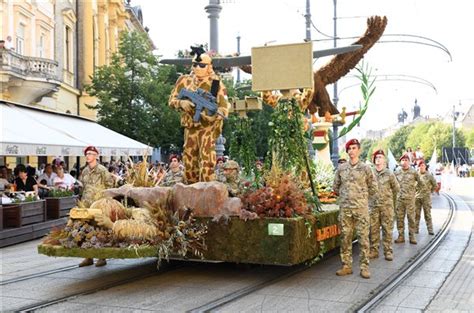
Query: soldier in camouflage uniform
[(231, 175), (199, 154), (423, 198), (175, 174), (354, 182), (408, 179), (220, 169), (94, 178), (381, 207)]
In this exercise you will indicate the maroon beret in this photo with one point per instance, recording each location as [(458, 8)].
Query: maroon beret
[(404, 156), (377, 152), (352, 142), (91, 148), (174, 156), (221, 158)]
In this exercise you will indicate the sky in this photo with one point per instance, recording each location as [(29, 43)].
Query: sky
[(175, 25)]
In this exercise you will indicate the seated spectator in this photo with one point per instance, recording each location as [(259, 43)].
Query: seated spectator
[(4, 184), (24, 182), (117, 178), (64, 180), (48, 175)]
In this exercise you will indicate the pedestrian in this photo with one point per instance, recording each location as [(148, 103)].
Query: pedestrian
[(423, 198), (381, 207), (95, 178), (353, 183), (408, 179)]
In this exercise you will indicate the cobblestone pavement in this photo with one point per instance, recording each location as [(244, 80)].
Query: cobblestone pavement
[(315, 289), (417, 291), (457, 292)]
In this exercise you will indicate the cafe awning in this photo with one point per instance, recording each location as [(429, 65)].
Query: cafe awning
[(25, 130)]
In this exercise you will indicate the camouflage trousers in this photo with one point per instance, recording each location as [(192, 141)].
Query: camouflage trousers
[(199, 155), (358, 219), (425, 204), (381, 216), (406, 207)]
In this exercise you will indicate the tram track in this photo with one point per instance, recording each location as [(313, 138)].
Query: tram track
[(36, 275), (153, 272), (379, 294), (241, 293), (382, 292)]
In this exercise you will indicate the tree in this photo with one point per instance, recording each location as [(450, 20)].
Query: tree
[(397, 142), (440, 135), (470, 139), (259, 119), (133, 94), (365, 147)]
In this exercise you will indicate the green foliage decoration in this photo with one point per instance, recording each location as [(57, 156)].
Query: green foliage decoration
[(367, 87)]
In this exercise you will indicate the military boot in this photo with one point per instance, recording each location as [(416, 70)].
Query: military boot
[(400, 239), (345, 270), (373, 254), (86, 262), (100, 262), (365, 273), (388, 256), (413, 241)]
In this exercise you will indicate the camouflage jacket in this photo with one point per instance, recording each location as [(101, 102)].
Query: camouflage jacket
[(190, 82), (354, 184), (233, 186), (171, 178), (95, 181), (220, 175), (427, 185), (388, 188), (408, 180)]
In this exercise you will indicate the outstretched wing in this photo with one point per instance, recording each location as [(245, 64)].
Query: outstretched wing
[(341, 64), (245, 61)]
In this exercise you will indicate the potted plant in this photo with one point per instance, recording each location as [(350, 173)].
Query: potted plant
[(59, 202), (24, 211)]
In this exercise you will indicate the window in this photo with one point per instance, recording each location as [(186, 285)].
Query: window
[(68, 49), (41, 46), (20, 39)]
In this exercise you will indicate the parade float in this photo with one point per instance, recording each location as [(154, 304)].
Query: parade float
[(275, 218)]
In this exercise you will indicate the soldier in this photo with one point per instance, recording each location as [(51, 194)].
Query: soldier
[(95, 178), (220, 169), (199, 155), (354, 182), (423, 198), (408, 178), (175, 173), (381, 207), (232, 181)]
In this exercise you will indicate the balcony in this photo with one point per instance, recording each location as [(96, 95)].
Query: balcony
[(26, 79)]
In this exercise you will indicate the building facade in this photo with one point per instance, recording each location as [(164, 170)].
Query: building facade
[(49, 49)]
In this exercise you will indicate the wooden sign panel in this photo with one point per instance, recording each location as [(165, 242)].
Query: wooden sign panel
[(280, 67)]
